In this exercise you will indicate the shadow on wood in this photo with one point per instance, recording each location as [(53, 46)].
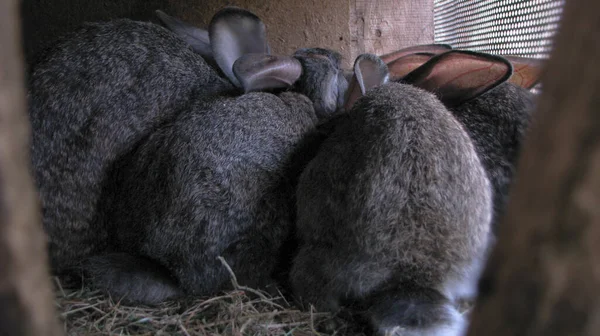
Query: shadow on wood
[(26, 301), (349, 27), (544, 275)]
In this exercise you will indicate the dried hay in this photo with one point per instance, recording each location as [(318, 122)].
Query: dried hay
[(243, 311), (238, 312)]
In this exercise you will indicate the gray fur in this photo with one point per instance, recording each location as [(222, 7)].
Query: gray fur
[(130, 278), (214, 182), (497, 122), (393, 214), (218, 181), (93, 96), (322, 80), (145, 156)]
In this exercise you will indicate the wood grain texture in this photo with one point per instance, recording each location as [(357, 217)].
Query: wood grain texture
[(382, 26), (348, 26), (544, 276), (26, 300), (291, 24)]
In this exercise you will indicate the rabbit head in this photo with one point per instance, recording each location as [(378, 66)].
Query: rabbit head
[(322, 80)]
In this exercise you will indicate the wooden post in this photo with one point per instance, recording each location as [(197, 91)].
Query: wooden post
[(544, 275), (26, 301)]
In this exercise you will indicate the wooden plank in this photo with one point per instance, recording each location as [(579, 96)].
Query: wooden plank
[(291, 24), (26, 300), (348, 26), (382, 26), (544, 275)]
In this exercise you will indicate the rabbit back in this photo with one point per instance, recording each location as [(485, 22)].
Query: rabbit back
[(212, 183), (92, 96), (497, 122)]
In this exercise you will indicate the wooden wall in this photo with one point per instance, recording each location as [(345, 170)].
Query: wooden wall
[(348, 26), (386, 25)]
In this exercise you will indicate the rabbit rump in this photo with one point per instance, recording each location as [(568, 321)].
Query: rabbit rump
[(394, 211), (216, 181), (496, 121)]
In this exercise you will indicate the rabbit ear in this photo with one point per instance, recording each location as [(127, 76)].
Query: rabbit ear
[(234, 32), (258, 72), (457, 76), (423, 48), (402, 66), (352, 94), (369, 72), (196, 37), (526, 71)]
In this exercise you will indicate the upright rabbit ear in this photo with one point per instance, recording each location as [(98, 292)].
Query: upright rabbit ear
[(527, 71), (457, 76), (402, 66), (423, 48), (235, 32), (196, 37), (369, 72), (258, 72)]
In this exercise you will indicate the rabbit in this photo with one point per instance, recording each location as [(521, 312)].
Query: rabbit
[(394, 212), (316, 62), (496, 121), (319, 63), (92, 97), (217, 180)]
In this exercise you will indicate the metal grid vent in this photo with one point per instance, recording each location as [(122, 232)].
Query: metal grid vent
[(503, 27)]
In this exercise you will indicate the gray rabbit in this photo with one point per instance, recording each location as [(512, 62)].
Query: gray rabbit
[(92, 97), (394, 211), (323, 72), (496, 120), (219, 180)]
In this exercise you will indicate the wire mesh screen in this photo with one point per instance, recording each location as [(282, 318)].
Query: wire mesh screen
[(504, 27)]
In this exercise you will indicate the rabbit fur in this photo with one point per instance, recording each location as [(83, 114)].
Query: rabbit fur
[(497, 122), (92, 97), (393, 213), (218, 180)]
